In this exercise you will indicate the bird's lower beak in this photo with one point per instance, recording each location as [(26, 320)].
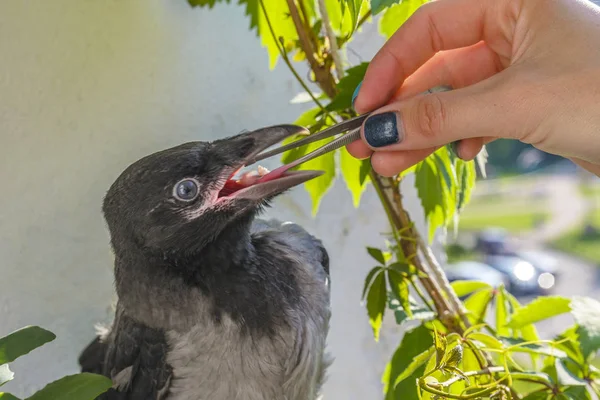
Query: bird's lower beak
[(269, 184)]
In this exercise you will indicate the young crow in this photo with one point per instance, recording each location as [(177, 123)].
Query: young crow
[(213, 304)]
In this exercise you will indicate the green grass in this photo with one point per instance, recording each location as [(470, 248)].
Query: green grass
[(576, 243), (590, 191), (513, 222)]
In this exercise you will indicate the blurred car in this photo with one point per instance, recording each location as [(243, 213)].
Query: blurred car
[(542, 261), (495, 242), (475, 271), (524, 277)]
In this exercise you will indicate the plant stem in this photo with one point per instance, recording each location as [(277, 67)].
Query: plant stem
[(334, 51), (484, 371), (363, 19), (420, 294), (401, 222), (322, 74), (442, 280), (288, 62)]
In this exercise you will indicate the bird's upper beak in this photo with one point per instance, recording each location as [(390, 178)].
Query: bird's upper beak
[(245, 147)]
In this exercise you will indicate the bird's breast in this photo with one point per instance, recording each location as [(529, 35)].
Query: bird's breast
[(220, 362)]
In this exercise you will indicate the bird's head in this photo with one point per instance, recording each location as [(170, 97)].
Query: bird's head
[(180, 199)]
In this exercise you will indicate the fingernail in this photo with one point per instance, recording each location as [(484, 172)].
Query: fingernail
[(382, 130), (454, 148), (355, 94)]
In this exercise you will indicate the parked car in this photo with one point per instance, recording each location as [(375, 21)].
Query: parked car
[(475, 271), (499, 253), (525, 278)]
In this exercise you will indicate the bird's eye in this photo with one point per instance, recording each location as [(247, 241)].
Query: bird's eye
[(186, 190)]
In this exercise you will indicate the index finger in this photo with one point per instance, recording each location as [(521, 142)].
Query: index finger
[(436, 26)]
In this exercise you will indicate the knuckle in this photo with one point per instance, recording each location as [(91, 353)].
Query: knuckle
[(431, 115)]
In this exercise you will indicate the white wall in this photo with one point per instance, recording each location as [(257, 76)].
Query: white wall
[(87, 87)]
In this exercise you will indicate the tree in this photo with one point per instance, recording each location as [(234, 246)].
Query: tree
[(451, 353)]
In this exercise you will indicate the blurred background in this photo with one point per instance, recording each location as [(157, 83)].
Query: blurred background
[(88, 87)]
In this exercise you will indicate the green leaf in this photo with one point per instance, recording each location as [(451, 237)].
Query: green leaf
[(572, 346), (477, 304), (576, 393), (8, 396), (354, 7), (278, 14), (463, 288), (586, 312), (205, 3), (565, 377), (466, 174), (540, 377), (316, 187), (413, 343), (369, 279), (421, 313), (415, 364), (539, 309), (527, 332), (353, 171), (429, 190), (378, 6), (346, 87), (396, 15), (377, 255), (83, 386), (376, 301), (440, 343), (455, 356), (341, 22), (537, 395), (23, 341), (524, 346), (5, 374), (501, 312), (487, 340), (399, 287)]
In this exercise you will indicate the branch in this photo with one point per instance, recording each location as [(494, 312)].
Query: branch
[(335, 52), (322, 75), (287, 60), (400, 221)]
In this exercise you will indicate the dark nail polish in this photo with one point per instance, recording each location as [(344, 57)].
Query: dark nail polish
[(355, 94), (454, 148), (382, 130)]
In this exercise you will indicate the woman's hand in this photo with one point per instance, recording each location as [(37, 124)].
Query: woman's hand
[(521, 69)]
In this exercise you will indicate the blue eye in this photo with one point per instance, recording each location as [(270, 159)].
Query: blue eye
[(186, 190)]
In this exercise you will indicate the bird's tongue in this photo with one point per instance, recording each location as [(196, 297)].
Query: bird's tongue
[(251, 178)]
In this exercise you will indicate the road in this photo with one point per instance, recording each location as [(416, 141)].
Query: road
[(560, 192)]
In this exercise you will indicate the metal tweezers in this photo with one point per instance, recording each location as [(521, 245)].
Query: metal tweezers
[(351, 126)]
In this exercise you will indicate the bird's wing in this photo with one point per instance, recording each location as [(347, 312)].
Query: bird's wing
[(135, 358), (307, 368), (299, 239)]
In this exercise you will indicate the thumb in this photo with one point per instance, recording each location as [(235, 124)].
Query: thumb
[(439, 118)]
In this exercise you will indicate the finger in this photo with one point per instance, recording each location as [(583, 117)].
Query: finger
[(435, 26), (359, 149), (440, 118), (588, 166), (457, 68), (392, 163), (468, 149)]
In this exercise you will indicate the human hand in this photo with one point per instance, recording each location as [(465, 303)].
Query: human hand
[(526, 70)]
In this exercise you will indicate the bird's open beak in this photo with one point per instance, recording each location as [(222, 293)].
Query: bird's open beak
[(264, 185)]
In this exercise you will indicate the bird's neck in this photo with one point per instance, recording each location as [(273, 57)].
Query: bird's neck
[(228, 250), (145, 282)]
